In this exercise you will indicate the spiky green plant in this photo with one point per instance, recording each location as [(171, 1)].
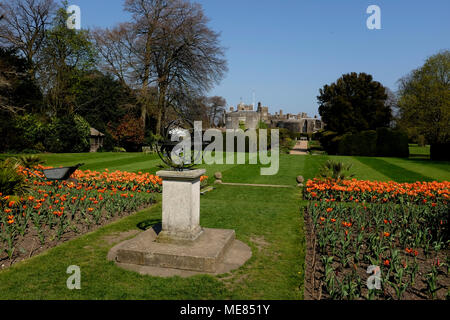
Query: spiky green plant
[(29, 161), (334, 170), (11, 181)]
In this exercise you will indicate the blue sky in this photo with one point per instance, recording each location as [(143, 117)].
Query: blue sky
[(285, 50)]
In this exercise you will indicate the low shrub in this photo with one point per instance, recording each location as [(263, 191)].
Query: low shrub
[(119, 149), (30, 161), (335, 171)]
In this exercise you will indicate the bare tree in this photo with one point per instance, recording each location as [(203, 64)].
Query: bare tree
[(187, 55), (191, 107), (127, 48), (23, 26), (115, 52), (167, 45), (120, 52), (392, 101)]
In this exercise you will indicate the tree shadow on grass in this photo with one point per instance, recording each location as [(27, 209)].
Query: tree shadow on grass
[(427, 161), (418, 156), (396, 173)]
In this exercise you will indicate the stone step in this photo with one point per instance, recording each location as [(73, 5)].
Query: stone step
[(203, 255)]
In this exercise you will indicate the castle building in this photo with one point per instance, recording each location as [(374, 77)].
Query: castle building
[(245, 117)]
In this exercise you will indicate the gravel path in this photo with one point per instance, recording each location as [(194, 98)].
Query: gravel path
[(301, 148)]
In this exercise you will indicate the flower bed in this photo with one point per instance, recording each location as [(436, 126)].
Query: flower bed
[(54, 212), (114, 181), (400, 245), (378, 192)]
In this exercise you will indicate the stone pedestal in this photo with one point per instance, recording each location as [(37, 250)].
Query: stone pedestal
[(180, 205), (182, 247)]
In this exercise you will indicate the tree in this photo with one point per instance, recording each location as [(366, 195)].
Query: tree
[(193, 108), (126, 49), (216, 108), (167, 46), (129, 134), (23, 27), (71, 133), (187, 55), (102, 100), (18, 92), (354, 103), (392, 102), (66, 55), (424, 100)]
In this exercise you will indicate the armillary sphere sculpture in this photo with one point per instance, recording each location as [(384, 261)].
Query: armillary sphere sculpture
[(177, 148)]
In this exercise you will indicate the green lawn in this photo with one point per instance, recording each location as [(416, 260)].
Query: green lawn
[(268, 220), (419, 152)]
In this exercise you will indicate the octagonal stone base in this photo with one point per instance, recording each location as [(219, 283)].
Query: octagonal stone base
[(215, 251)]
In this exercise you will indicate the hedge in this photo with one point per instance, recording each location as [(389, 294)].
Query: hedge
[(383, 142), (359, 144), (285, 140), (392, 143), (329, 141), (440, 151), (247, 141)]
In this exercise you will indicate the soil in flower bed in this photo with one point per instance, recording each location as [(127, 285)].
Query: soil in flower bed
[(315, 279), (30, 245)]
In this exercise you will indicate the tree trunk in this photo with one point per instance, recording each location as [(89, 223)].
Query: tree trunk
[(147, 63), (161, 106), (144, 113), (159, 122)]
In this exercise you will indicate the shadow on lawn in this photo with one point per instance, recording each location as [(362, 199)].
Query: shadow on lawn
[(426, 161), (156, 224), (396, 173)]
